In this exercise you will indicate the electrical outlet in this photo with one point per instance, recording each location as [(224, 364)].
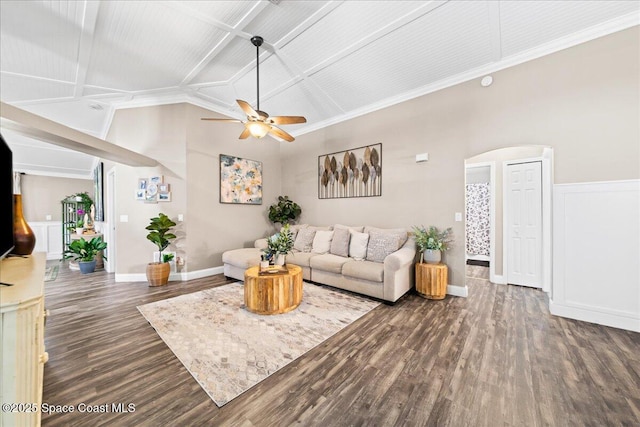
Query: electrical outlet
[(458, 216)]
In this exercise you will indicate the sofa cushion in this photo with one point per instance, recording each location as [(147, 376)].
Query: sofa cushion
[(358, 228), (322, 242), (325, 228), (328, 262), (358, 245), (365, 270), (242, 258), (300, 258), (304, 239), (297, 227), (340, 242)]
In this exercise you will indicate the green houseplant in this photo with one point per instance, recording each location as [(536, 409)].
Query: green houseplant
[(285, 211), (279, 245), (85, 251), (432, 242), (160, 235)]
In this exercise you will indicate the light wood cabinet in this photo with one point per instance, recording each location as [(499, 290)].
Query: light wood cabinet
[(22, 337)]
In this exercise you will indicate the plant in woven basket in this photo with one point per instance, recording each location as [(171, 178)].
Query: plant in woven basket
[(159, 232), (160, 235)]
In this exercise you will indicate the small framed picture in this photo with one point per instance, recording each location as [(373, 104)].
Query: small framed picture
[(152, 189), (142, 183), (141, 194), (163, 188), (164, 197), (156, 180)]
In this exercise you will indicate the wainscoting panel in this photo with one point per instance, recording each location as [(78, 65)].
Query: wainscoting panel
[(596, 248), (48, 238)]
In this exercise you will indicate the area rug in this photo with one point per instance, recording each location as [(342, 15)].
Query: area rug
[(51, 273), (228, 349)]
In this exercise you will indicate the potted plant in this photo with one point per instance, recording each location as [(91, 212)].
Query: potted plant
[(285, 211), (85, 251), (432, 243), (79, 226), (279, 245), (159, 234)]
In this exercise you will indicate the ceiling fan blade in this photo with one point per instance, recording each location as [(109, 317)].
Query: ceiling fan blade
[(221, 120), (245, 134), (281, 134), (248, 109), (286, 120)]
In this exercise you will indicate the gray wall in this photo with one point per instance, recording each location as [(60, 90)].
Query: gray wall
[(41, 195), (189, 149), (583, 102)]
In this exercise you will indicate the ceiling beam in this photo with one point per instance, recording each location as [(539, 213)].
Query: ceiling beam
[(46, 130), (494, 27), (232, 33), (86, 43)]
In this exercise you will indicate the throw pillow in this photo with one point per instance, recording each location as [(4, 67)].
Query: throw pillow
[(382, 244), (304, 240), (400, 232), (358, 245), (322, 242), (340, 242)]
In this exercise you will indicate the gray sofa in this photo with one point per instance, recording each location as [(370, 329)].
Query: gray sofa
[(386, 272)]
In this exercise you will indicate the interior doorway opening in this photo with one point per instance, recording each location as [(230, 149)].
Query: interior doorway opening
[(490, 169)]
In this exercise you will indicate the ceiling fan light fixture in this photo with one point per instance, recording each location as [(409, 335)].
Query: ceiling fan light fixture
[(258, 122), (258, 129)]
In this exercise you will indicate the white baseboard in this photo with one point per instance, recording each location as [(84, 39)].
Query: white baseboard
[(198, 274), (135, 277), (498, 279), (458, 291), (598, 317), (183, 276)]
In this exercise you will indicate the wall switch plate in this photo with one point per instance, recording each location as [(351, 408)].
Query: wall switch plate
[(124, 218), (458, 216), (48, 217), (180, 217), (422, 157)]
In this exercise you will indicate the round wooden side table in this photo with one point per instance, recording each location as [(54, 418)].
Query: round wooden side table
[(272, 293), (431, 280)]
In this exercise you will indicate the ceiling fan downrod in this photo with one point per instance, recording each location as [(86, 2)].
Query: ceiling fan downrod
[(257, 42)]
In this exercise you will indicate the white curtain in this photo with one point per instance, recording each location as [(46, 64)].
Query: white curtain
[(478, 219)]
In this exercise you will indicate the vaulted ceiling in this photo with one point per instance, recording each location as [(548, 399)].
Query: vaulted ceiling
[(76, 62)]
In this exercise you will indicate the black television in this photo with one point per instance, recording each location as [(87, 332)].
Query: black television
[(6, 198)]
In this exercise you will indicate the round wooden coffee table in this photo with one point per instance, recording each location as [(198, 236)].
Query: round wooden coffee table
[(272, 293)]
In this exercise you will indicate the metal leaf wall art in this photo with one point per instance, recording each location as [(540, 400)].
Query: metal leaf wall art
[(351, 173)]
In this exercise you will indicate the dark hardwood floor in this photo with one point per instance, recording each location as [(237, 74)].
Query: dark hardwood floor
[(495, 358)]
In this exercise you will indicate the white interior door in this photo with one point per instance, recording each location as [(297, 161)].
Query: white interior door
[(524, 224)]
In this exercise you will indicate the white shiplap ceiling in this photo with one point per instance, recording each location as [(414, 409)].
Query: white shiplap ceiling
[(76, 62)]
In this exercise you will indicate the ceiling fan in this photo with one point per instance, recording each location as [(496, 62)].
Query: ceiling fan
[(258, 122)]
